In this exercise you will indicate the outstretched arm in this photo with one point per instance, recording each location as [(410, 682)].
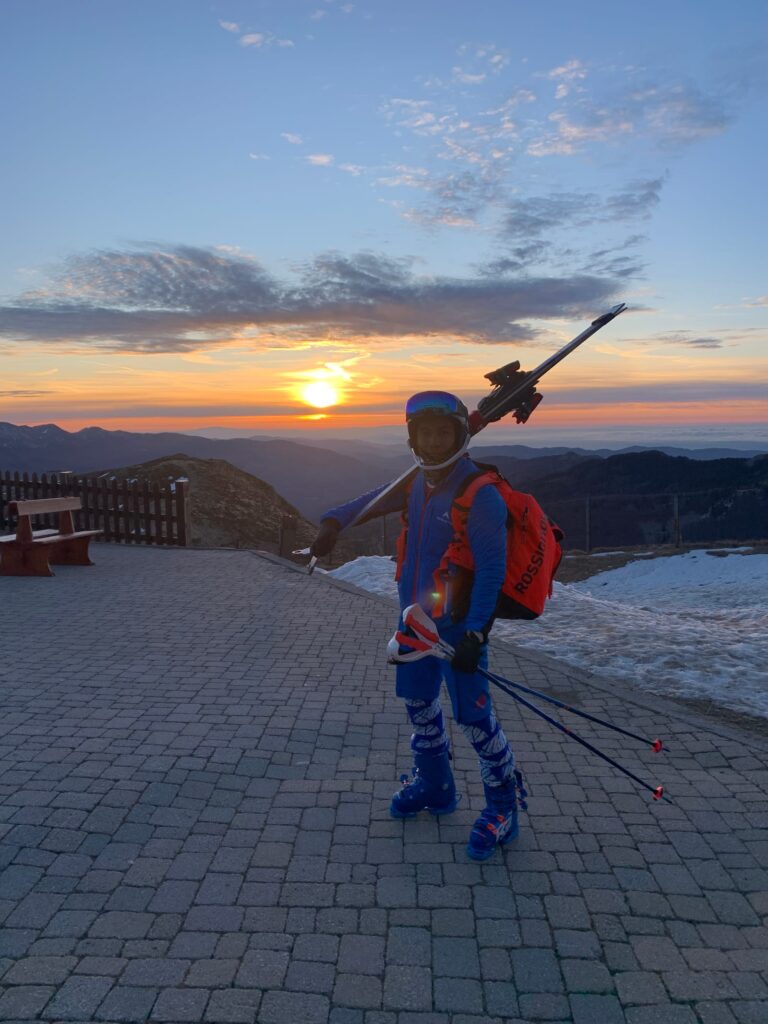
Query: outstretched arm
[(336, 519)]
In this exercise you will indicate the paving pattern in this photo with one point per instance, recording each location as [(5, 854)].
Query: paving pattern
[(197, 750)]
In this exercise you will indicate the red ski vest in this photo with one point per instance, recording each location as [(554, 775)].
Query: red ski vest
[(533, 552)]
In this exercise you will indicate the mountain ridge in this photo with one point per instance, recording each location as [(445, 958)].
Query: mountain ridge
[(304, 476), (313, 478)]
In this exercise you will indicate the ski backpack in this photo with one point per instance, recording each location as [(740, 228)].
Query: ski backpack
[(533, 552)]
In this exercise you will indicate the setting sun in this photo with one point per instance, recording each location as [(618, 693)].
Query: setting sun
[(320, 393)]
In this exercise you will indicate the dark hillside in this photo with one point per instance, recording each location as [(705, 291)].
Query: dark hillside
[(652, 473), (525, 473), (230, 508), (653, 498)]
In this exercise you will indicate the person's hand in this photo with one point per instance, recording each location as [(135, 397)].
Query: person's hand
[(326, 538), (466, 655)]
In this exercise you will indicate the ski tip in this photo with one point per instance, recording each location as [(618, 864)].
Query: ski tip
[(606, 318)]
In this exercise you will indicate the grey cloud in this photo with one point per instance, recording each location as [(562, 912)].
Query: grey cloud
[(632, 240), (464, 195), (20, 393), (690, 391), (635, 202), (690, 338), (105, 411), (456, 199), (619, 261), (181, 277), (333, 277), (187, 298), (518, 258), (66, 322), (530, 224), (704, 343), (670, 113), (717, 338), (372, 296), (534, 216), (478, 145), (680, 113)]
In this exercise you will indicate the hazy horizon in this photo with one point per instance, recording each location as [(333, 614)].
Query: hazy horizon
[(754, 437), (620, 437)]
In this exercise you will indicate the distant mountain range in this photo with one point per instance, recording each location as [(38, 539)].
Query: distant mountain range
[(391, 449), (313, 478), (310, 475), (310, 478)]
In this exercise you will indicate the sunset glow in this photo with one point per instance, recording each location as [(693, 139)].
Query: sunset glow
[(476, 197), (320, 393)]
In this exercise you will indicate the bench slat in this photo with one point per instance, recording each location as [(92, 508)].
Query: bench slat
[(36, 533), (39, 506), (59, 538)]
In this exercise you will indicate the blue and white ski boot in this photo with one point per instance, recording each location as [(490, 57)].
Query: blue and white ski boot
[(497, 824), (430, 789)]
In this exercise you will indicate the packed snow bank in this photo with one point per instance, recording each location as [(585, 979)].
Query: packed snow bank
[(693, 625)]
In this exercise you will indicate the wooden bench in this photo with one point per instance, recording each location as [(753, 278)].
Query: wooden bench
[(32, 552)]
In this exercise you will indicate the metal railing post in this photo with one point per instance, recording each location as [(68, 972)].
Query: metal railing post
[(676, 519), (287, 536), (183, 512), (587, 525)]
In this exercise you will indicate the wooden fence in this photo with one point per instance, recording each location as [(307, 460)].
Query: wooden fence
[(132, 511)]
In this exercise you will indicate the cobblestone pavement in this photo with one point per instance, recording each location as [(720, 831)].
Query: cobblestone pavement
[(197, 751)]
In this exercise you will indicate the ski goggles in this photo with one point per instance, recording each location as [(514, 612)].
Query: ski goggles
[(434, 403)]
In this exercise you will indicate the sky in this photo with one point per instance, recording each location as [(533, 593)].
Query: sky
[(226, 213)]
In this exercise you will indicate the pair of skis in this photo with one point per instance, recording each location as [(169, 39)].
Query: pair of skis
[(513, 391), (421, 639)]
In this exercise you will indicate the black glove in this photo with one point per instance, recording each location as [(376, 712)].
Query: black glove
[(466, 655), (326, 538)]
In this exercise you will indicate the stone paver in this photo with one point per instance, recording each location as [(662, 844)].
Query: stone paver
[(195, 770)]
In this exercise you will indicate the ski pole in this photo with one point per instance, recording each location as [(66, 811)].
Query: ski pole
[(656, 745), (658, 791), (421, 648), (417, 619), (425, 639)]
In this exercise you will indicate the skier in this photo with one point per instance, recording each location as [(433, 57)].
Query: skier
[(438, 435)]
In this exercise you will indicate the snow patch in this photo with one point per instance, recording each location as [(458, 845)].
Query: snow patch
[(687, 625)]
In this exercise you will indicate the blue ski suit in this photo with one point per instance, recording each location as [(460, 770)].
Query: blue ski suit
[(429, 534)]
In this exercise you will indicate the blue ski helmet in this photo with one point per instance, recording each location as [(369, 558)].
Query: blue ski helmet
[(437, 403)]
